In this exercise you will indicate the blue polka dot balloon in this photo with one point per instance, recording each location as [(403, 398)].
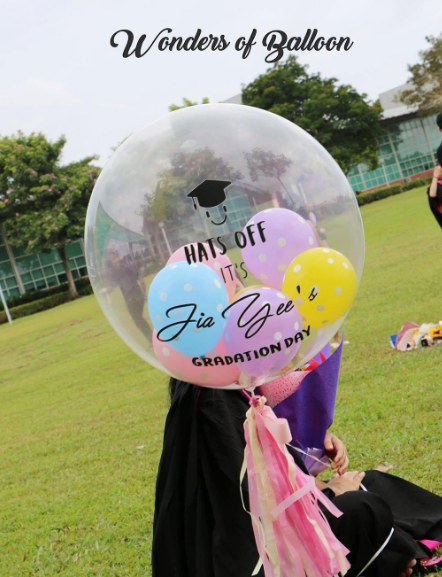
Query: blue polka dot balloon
[(185, 305)]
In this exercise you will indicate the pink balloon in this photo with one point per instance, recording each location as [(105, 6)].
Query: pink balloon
[(263, 331), (221, 264), (216, 376), (287, 234)]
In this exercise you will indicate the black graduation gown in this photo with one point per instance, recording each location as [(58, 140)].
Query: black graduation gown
[(202, 530), (435, 204)]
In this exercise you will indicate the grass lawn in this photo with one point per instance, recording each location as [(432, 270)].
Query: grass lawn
[(81, 417)]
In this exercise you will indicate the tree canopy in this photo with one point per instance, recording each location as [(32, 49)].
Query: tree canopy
[(42, 202), (340, 118), (426, 79), (186, 103), (188, 169)]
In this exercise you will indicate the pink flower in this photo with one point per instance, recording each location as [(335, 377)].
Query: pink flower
[(48, 217), (55, 243), (9, 191), (6, 200), (32, 171)]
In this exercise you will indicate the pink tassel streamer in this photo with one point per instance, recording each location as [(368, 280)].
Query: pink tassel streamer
[(292, 535)]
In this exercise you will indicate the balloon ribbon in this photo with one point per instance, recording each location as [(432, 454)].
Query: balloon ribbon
[(293, 536)]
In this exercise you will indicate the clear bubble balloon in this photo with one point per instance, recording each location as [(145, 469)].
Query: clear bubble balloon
[(220, 198)]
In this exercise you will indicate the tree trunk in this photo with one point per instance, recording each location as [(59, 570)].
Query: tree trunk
[(71, 283)]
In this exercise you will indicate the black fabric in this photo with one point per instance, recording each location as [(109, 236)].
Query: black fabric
[(200, 527), (434, 202), (439, 154), (202, 530), (363, 528), (415, 511), (433, 207)]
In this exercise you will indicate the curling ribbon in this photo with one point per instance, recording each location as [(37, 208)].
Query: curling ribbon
[(292, 535)]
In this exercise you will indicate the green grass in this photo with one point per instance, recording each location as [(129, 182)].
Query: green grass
[(81, 422), (81, 417)]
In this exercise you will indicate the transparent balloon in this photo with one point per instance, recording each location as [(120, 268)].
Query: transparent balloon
[(194, 224)]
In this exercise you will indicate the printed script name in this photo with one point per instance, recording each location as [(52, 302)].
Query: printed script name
[(276, 42), (251, 320)]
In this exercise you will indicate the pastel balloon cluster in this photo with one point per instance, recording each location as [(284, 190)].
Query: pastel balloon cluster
[(224, 183), (208, 332), (320, 281), (186, 302), (182, 367), (287, 234), (218, 262), (263, 331)]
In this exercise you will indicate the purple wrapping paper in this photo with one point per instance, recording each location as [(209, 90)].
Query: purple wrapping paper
[(309, 411)]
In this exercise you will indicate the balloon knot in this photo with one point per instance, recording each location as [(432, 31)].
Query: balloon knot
[(257, 401)]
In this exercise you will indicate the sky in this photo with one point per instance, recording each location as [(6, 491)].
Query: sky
[(59, 74)]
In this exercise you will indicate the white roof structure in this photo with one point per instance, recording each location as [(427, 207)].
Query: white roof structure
[(391, 104), (237, 99)]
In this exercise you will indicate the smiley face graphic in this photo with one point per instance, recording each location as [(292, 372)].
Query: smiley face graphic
[(210, 194)]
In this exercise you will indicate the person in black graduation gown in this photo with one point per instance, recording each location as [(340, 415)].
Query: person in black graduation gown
[(434, 192), (201, 529), (439, 150), (435, 198)]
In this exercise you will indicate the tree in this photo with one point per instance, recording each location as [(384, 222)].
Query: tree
[(188, 169), (267, 163), (43, 203), (340, 118), (186, 103), (426, 79)]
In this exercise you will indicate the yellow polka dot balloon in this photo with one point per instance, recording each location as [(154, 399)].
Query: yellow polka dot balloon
[(322, 283)]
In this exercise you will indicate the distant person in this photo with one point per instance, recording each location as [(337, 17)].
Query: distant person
[(124, 273), (439, 150), (434, 192)]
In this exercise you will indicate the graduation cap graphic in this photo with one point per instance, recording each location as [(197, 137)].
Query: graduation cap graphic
[(210, 193)]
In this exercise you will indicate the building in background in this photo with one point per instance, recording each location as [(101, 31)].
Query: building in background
[(407, 150), (20, 272), (407, 147)]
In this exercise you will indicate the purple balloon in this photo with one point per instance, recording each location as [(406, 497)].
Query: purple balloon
[(287, 234), (263, 331)]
